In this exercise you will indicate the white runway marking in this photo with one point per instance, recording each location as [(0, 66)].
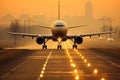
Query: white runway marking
[(15, 68), (44, 66), (105, 59)]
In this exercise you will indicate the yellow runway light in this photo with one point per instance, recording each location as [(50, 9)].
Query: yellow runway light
[(71, 60), (88, 64), (73, 65), (102, 78), (43, 68), (42, 72), (75, 70), (77, 77), (82, 57), (85, 60), (41, 75), (95, 71), (44, 65), (70, 57)]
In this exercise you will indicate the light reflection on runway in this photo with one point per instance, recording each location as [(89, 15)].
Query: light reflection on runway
[(95, 70), (65, 64), (73, 64)]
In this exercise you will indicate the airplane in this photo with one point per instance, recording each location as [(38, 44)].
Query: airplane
[(59, 34)]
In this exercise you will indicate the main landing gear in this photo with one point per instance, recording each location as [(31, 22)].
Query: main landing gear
[(74, 46), (44, 46)]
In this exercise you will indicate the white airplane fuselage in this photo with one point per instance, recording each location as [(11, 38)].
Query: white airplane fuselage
[(59, 29)]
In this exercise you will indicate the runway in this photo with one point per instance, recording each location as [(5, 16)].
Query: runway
[(65, 64)]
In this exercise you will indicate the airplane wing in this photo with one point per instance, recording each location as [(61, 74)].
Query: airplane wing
[(76, 26), (29, 35), (94, 34), (42, 26), (91, 34)]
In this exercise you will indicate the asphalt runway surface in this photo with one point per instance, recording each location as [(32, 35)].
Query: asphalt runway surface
[(65, 64)]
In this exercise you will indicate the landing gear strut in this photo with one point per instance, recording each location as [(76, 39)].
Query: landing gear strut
[(59, 46), (59, 43), (44, 46), (75, 45)]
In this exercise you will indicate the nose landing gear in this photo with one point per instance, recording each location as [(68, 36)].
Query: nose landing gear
[(59, 42), (59, 46)]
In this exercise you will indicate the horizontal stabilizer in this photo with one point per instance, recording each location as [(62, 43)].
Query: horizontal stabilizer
[(42, 26), (77, 26)]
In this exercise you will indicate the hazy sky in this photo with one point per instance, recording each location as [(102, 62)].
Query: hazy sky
[(68, 7)]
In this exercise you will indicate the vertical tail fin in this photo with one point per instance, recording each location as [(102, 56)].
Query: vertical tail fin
[(58, 9)]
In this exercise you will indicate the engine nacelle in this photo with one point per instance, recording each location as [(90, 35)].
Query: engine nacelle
[(64, 39), (40, 40), (54, 39), (78, 40)]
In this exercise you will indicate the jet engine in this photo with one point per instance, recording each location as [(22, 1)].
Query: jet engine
[(78, 39), (40, 40)]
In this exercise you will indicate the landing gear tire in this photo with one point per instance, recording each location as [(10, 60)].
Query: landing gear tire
[(74, 46), (59, 47), (44, 47)]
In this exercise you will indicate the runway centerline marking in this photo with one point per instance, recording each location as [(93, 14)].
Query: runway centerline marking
[(44, 66)]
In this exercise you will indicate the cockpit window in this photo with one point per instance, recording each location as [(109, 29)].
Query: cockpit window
[(59, 25)]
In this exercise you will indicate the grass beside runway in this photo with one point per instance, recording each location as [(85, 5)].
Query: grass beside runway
[(7, 54)]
